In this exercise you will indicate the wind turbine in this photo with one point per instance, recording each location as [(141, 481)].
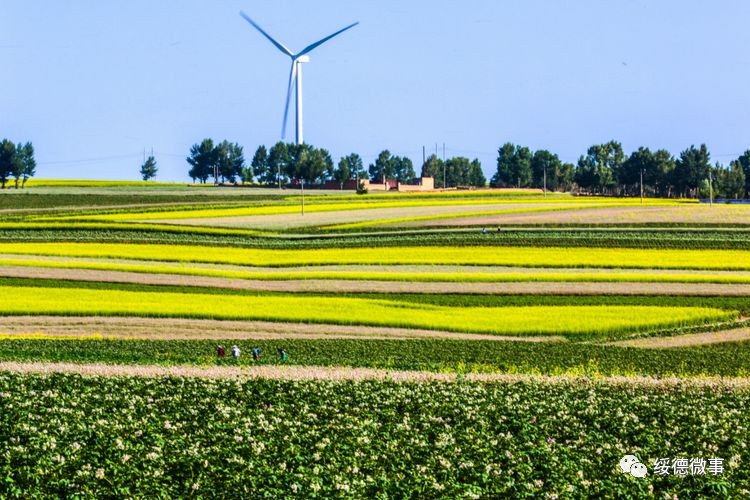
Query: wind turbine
[(295, 73)]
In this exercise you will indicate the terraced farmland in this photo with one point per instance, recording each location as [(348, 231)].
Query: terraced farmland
[(426, 357)]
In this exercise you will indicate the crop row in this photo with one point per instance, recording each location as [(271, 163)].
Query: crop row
[(727, 303), (67, 436), (438, 355), (359, 273), (126, 200), (325, 204), (716, 238), (480, 255), (456, 215), (563, 320)]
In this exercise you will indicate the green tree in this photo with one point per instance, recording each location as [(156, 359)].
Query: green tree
[(321, 162), (629, 176), (403, 169), (691, 169), (382, 169), (223, 164), (149, 169), (7, 161), (521, 167), (230, 160), (433, 167), (307, 164), (29, 163), (662, 175), (457, 171), (597, 169), (355, 166), (744, 163), (17, 164), (278, 160), (505, 158), (513, 166), (202, 160), (730, 182), (545, 164), (566, 179), (342, 172), (476, 175), (259, 166)]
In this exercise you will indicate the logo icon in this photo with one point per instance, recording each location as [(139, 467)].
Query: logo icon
[(629, 464)]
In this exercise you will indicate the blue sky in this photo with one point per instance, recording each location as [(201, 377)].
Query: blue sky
[(93, 83)]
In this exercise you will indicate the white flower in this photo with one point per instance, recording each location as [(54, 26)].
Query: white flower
[(99, 473)]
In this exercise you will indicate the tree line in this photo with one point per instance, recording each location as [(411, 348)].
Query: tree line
[(605, 169), (16, 161), (286, 163)]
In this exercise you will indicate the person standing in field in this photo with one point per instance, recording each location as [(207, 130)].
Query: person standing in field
[(236, 353), (256, 353), (220, 352), (283, 355)]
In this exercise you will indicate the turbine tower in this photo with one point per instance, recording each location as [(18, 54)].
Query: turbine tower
[(295, 73)]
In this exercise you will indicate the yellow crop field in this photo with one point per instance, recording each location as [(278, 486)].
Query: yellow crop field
[(487, 256), (559, 320), (323, 204), (396, 275), (459, 215)]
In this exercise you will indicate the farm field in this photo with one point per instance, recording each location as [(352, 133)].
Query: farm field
[(427, 357)]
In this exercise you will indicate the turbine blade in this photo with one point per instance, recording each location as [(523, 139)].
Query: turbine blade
[(292, 78), (278, 45), (311, 47)]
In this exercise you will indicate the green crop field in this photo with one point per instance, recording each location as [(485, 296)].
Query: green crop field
[(465, 344)]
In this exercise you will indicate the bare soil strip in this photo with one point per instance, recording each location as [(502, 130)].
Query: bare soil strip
[(692, 214), (342, 216), (196, 329), (318, 373), (690, 340), (366, 286), (376, 268)]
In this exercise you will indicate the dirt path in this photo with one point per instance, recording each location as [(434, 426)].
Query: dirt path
[(691, 340), (690, 214), (292, 372), (356, 286), (197, 329)]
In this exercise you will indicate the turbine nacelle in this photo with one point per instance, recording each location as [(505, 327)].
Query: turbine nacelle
[(295, 73)]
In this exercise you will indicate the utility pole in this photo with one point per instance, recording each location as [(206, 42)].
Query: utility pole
[(641, 186), (444, 184), (545, 180), (710, 190)]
